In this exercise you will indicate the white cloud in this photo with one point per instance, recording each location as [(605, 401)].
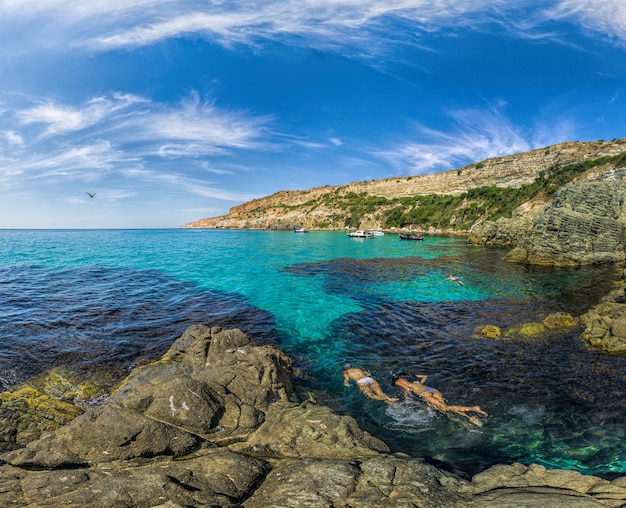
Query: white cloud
[(47, 137), (83, 162), (476, 135), (13, 138), (607, 17), (226, 195), (116, 23), (330, 22), (202, 125), (61, 119), (366, 26)]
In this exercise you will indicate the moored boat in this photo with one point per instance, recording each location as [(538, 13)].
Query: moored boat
[(300, 230), (417, 237), (360, 234)]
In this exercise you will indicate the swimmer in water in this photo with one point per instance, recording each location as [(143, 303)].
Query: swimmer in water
[(433, 397), (455, 279), (366, 383)]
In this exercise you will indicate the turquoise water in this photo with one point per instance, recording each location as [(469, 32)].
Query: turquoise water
[(89, 300)]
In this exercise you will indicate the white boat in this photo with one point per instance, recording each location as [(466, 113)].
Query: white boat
[(376, 233), (360, 234), (300, 230)]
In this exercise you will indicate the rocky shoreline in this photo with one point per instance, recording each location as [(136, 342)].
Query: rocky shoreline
[(218, 422)]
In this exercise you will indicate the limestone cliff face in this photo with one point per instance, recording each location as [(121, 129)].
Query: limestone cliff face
[(314, 209)]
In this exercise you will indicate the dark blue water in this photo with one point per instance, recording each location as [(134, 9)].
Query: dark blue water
[(104, 301)]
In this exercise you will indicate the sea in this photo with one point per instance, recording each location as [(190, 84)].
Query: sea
[(100, 302)]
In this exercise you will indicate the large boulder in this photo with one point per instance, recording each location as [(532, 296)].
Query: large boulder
[(215, 478), (104, 434), (534, 485), (372, 483), (310, 431)]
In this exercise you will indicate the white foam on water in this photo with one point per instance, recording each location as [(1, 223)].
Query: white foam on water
[(410, 416)]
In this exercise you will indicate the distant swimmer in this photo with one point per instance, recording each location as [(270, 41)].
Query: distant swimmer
[(366, 383), (433, 397), (455, 279), (90, 194)]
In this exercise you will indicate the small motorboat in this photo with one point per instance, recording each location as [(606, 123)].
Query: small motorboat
[(360, 234), (300, 230), (404, 236)]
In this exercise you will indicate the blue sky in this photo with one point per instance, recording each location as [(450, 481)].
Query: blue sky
[(172, 111)]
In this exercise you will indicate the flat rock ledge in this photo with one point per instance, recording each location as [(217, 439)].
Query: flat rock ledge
[(216, 423)]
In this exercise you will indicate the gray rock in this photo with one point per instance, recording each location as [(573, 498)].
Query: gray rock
[(165, 394), (219, 478), (310, 431), (373, 483), (535, 486), (605, 324), (105, 434), (584, 224)]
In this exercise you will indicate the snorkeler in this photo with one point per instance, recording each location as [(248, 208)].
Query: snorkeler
[(433, 397), (453, 278), (366, 383)]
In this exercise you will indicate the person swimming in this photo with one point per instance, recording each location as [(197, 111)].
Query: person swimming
[(433, 397), (366, 384), (456, 279)]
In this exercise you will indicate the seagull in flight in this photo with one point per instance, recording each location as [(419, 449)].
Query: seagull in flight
[(90, 194)]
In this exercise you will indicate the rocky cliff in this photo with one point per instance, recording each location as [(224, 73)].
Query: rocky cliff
[(584, 223), (217, 422), (329, 207)]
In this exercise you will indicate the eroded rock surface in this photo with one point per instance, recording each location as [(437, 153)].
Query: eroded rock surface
[(584, 224)]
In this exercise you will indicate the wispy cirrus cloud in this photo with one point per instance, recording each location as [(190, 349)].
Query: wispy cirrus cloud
[(84, 162), (113, 24), (200, 123), (607, 17), (358, 28), (319, 23), (61, 119), (476, 134), (119, 132)]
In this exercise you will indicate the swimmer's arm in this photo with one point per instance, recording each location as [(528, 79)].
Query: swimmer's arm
[(422, 378), (346, 379)]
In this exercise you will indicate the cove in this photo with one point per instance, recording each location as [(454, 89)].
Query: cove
[(111, 298)]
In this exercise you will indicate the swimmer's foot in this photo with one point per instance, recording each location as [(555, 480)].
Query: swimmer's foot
[(475, 421), (479, 411), (391, 400)]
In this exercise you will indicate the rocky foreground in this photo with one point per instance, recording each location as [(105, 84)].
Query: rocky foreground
[(217, 422)]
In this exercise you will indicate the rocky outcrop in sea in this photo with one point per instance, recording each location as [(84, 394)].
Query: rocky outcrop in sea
[(585, 223), (218, 422)]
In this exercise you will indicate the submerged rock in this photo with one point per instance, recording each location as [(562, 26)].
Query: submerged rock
[(605, 324), (559, 321), (213, 424), (489, 331)]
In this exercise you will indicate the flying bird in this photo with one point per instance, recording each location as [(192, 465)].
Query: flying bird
[(90, 194)]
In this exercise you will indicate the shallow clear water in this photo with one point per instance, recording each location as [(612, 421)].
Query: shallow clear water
[(106, 300)]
